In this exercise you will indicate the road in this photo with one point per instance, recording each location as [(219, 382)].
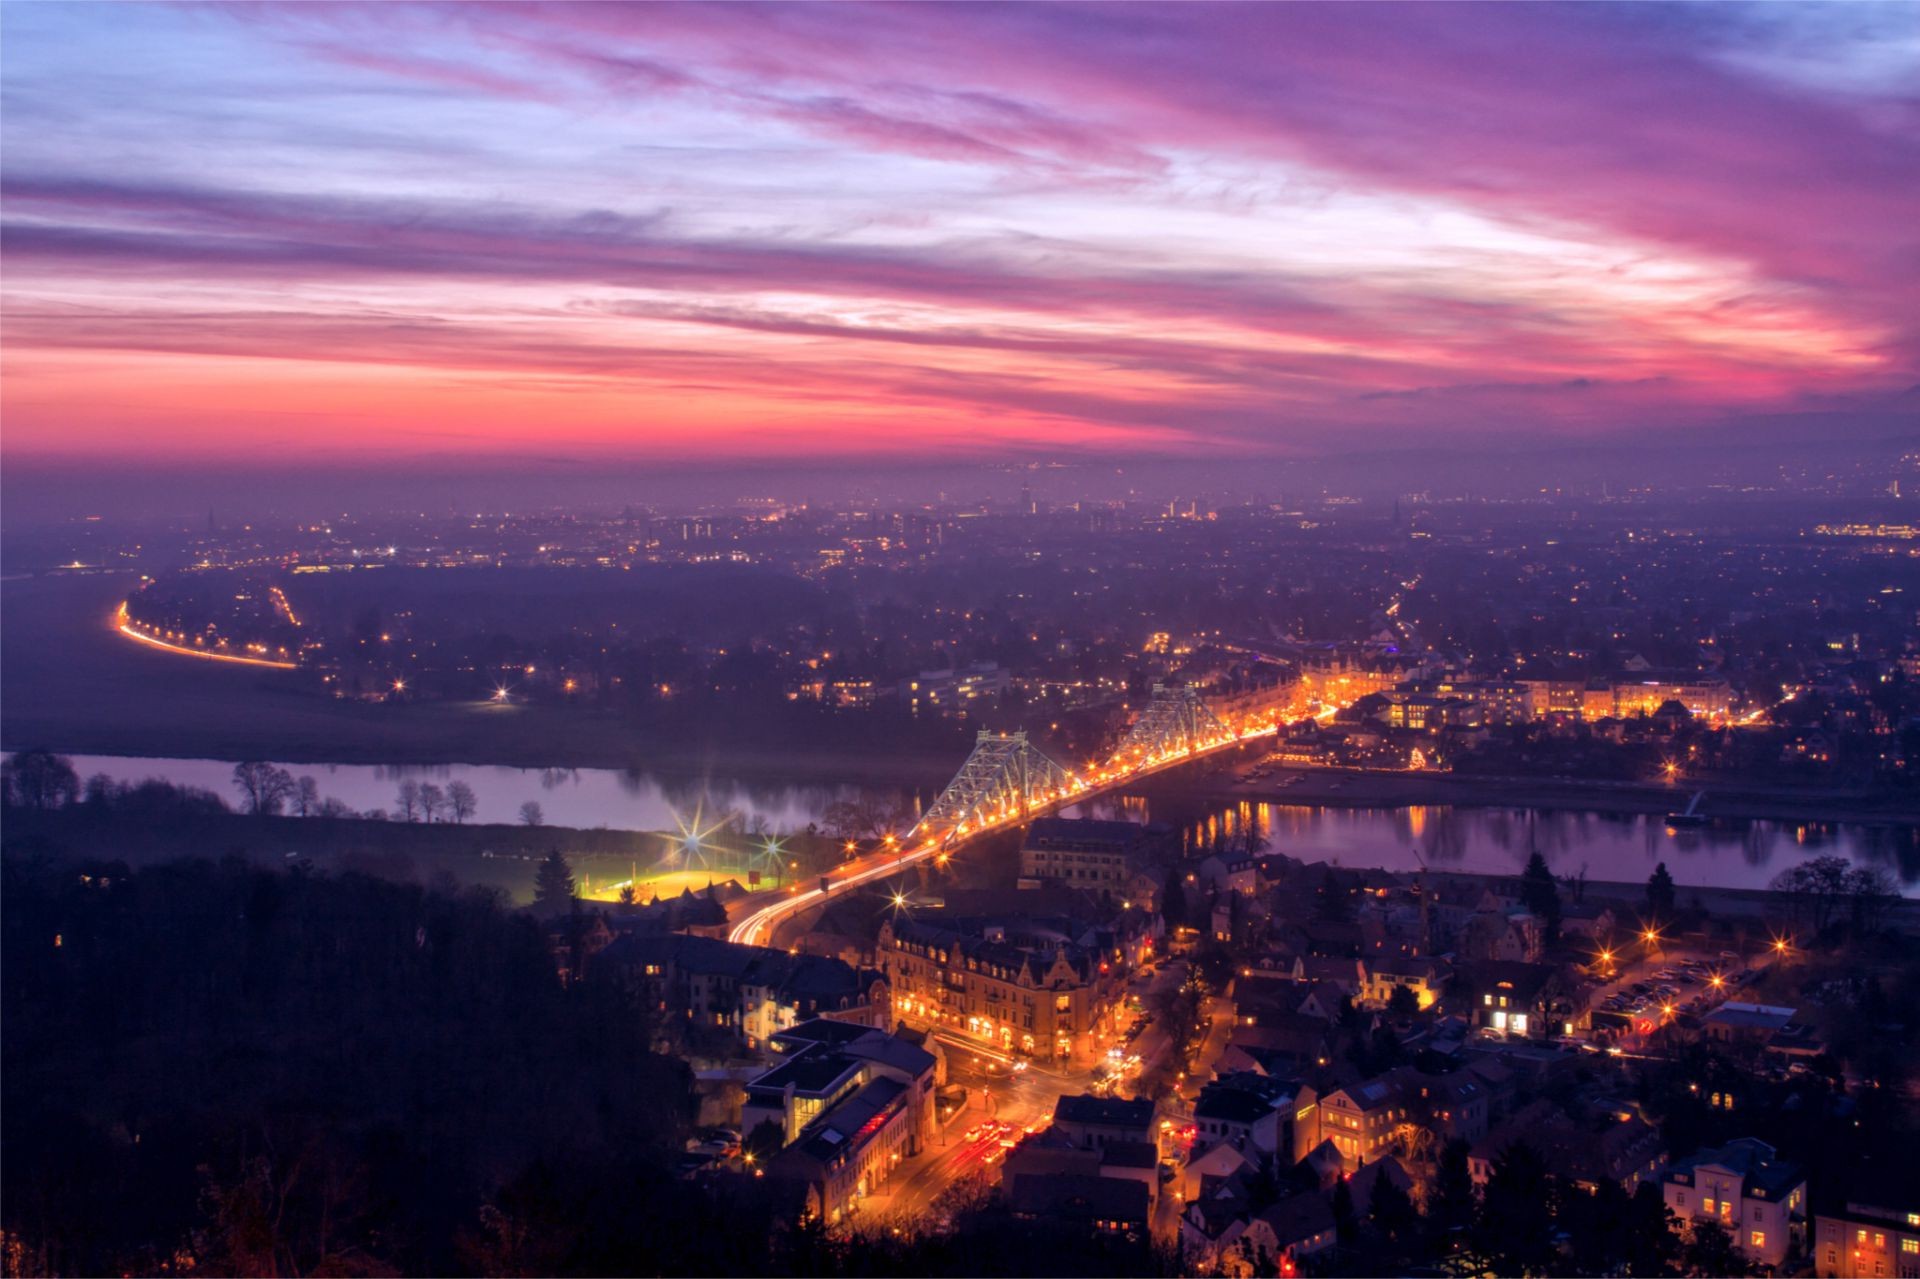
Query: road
[(995, 1091), (758, 927)]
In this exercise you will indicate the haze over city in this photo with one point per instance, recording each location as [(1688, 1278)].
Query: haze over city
[(1242, 640)]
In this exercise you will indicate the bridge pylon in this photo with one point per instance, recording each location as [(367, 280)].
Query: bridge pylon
[(1005, 778), (1176, 722)]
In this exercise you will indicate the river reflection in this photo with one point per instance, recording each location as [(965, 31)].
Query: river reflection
[(1602, 846), (1743, 854), (586, 798)]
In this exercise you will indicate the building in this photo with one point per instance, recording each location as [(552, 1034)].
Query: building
[(1082, 853), (1364, 1121), (949, 690), (1425, 977), (1735, 1022), (1867, 1239), (1115, 1205), (751, 991), (1760, 1198), (1251, 1111), (1705, 695), (1528, 1001), (1045, 988), (851, 1103), (1616, 1147), (1094, 1123)]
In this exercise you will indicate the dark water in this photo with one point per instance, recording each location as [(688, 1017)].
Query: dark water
[(1608, 847), (1732, 854)]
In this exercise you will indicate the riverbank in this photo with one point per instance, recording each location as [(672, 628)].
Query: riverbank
[(1364, 788)]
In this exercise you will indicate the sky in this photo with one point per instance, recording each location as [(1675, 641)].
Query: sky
[(341, 235)]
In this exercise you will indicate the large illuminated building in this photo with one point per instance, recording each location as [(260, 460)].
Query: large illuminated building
[(1045, 988)]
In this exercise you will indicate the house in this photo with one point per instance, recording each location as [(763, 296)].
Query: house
[(1868, 1239), (1217, 1162), (1250, 1109), (1363, 1121), (1425, 976), (1616, 1147), (1760, 1198), (1114, 1205), (1298, 1226), (1528, 1001), (750, 991), (1093, 1122)]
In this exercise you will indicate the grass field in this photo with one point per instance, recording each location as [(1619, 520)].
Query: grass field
[(664, 884)]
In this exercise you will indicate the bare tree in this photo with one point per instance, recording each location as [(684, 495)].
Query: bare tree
[(306, 798), (433, 801), (530, 814), (461, 801), (409, 800), (265, 789), (40, 779)]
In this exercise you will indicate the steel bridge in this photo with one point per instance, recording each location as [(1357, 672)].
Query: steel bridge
[(1007, 780)]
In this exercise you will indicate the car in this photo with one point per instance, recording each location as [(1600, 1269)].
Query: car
[(1020, 1066), (976, 1132)]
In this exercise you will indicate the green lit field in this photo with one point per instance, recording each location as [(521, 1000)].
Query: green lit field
[(603, 879)]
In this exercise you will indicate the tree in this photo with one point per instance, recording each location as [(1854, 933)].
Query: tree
[(1541, 896), (531, 814), (433, 801), (265, 789), (306, 797), (1516, 1225), (40, 779), (629, 895), (766, 1140), (1391, 1211), (1453, 1195), (1346, 1223), (461, 801), (1173, 899), (553, 886), (1403, 1002), (1871, 892), (1660, 896), (1711, 1250), (1815, 888), (408, 800)]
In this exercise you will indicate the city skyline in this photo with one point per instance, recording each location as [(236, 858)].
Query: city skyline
[(263, 237)]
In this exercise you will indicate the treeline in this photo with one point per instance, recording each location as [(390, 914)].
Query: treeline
[(211, 1068)]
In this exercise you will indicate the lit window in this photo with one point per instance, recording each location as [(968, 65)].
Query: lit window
[(1708, 1205), (1759, 1238), (1910, 1245)]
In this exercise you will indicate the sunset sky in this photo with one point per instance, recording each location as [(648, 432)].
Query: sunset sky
[(354, 233)]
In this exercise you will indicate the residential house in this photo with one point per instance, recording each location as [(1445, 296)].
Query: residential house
[(1745, 1186)]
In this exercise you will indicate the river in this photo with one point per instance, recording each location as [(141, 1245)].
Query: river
[(1723, 854)]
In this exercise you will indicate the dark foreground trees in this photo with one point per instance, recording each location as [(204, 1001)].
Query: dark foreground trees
[(218, 1069)]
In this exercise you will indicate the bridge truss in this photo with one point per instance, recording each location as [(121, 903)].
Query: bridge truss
[(1176, 722), (1004, 778)]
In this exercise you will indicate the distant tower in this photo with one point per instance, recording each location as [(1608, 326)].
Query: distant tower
[(1396, 512), (1026, 500), (212, 525)]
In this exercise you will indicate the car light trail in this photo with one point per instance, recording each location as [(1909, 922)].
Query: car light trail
[(120, 622)]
